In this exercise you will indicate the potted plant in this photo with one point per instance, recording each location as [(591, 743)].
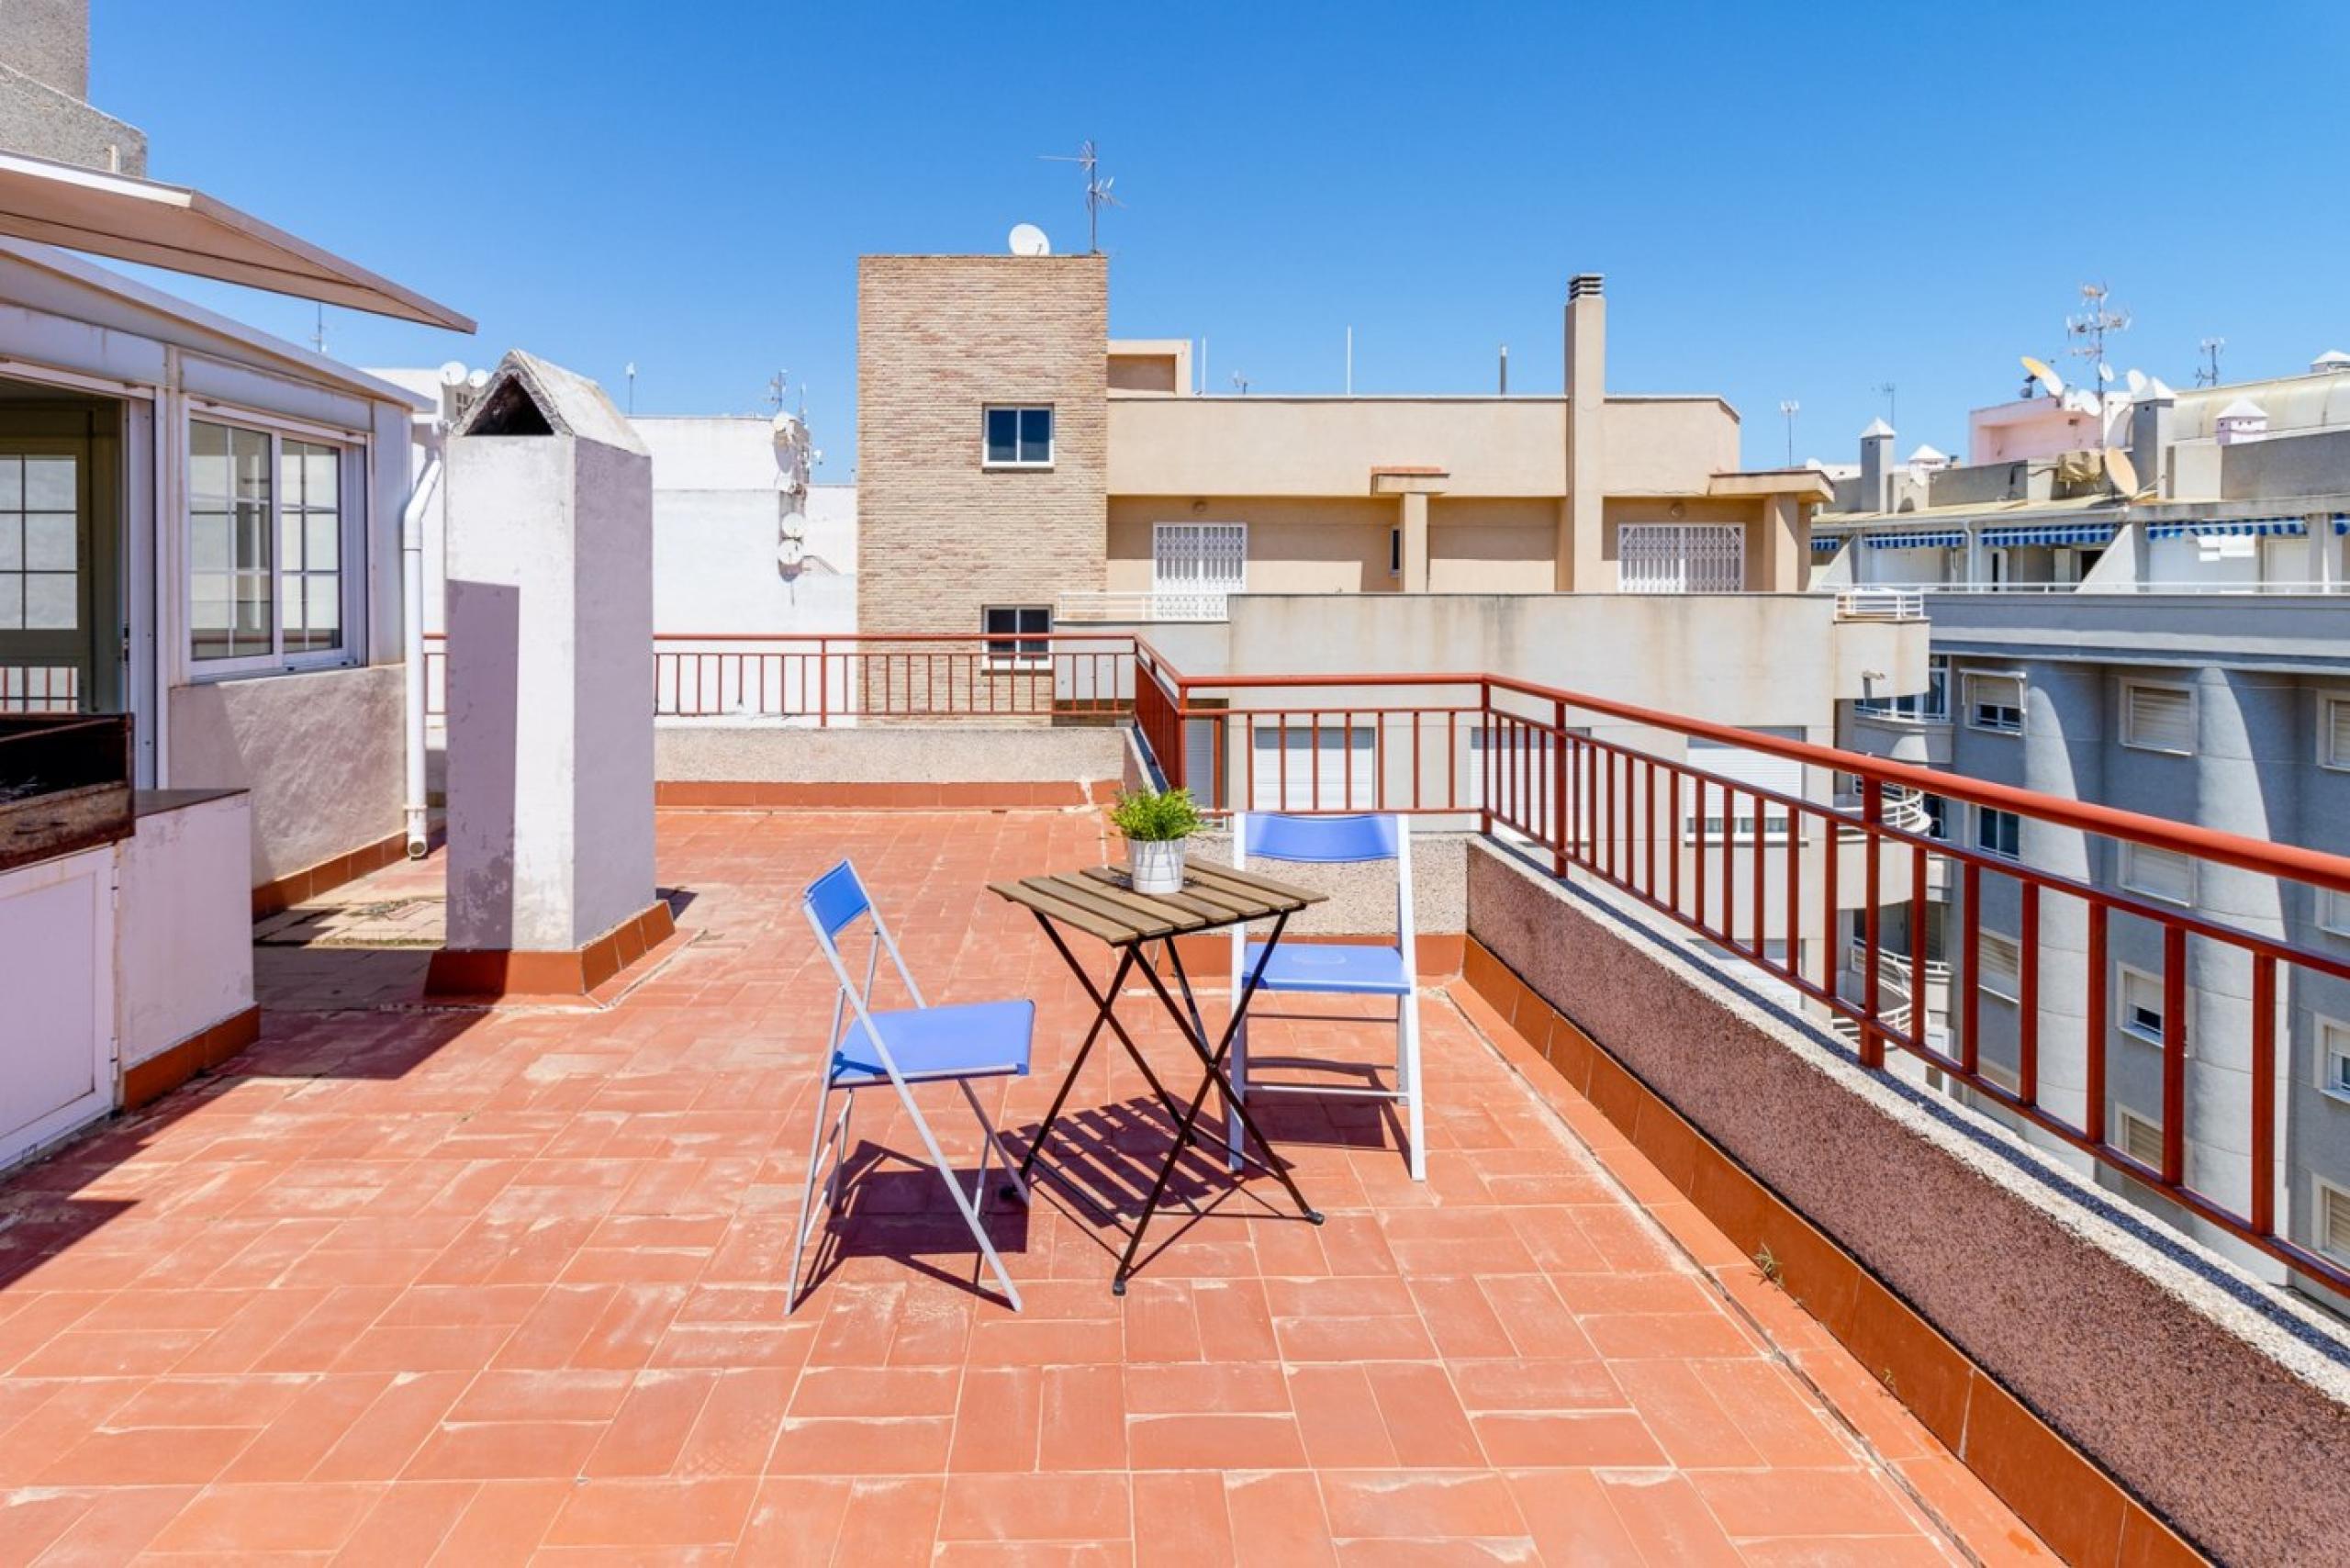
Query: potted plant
[(1156, 822)]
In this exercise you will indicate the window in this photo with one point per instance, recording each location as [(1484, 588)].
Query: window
[(265, 547), (1681, 557), (1196, 566), (2140, 1138), (1395, 552), (1999, 963), (2332, 1219), (1994, 702), (2333, 733), (2141, 1010), (1017, 636), (2158, 718), (1931, 706), (2333, 1058), (1303, 767), (1019, 438), (1999, 832), (1937, 817), (2334, 912), (2162, 874), (1737, 771), (41, 504)]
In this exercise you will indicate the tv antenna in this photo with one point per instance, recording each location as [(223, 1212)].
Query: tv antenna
[(2207, 373), (2098, 316), (631, 373), (1788, 410), (1097, 189), (318, 337), (1240, 381), (1886, 390), (776, 386)]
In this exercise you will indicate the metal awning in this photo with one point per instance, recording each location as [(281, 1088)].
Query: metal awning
[(1943, 539), (1826, 544), (2236, 528), (187, 231), (2051, 534)]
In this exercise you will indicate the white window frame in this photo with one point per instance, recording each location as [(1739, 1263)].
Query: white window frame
[(1018, 658), (1983, 977), (2122, 1020), (2327, 756), (2124, 1116), (1052, 434), (2332, 912), (353, 466), (1203, 595), (1345, 778), (1931, 706), (2321, 1188), (2332, 1058), (1974, 717), (2131, 881), (2130, 690), (1983, 816)]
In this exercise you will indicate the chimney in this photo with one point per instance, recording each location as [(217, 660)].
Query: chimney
[(1876, 467), (2149, 426), (1581, 549)]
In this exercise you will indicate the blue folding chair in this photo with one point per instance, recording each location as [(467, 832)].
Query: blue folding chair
[(1336, 969), (902, 1047)]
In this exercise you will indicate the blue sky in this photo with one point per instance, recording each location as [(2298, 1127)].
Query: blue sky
[(1789, 202)]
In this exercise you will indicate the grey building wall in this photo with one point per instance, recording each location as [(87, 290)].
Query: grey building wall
[(45, 86)]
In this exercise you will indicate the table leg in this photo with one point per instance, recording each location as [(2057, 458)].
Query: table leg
[(1215, 1080), (1105, 1006)]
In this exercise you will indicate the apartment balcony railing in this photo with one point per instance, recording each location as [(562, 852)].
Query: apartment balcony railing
[(1880, 604), (1138, 606)]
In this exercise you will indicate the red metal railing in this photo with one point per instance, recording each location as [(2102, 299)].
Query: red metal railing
[(1748, 868), (828, 677)]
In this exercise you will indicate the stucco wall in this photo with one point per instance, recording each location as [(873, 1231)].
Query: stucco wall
[(320, 752), (1295, 545), (944, 754), (2224, 1405), (183, 938)]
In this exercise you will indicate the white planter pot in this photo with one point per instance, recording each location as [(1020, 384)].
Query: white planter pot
[(1156, 868)]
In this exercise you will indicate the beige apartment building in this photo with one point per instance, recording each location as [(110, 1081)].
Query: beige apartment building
[(1019, 469)]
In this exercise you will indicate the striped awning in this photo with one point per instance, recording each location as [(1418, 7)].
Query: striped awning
[(2342, 522), (1942, 539), (2051, 534), (1826, 544), (2235, 527)]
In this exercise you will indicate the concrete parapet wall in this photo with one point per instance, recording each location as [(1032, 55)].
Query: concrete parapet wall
[(2222, 1405), (698, 751)]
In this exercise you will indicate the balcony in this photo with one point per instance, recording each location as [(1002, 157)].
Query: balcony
[(1075, 609), (1688, 1275)]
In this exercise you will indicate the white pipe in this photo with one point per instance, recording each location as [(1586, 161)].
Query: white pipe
[(412, 644)]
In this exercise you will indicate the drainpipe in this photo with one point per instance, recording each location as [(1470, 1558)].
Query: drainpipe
[(412, 643)]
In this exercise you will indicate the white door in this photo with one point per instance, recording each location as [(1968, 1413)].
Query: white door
[(1681, 557), (1194, 565), (57, 974)]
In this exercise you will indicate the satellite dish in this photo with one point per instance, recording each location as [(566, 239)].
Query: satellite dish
[(795, 525), (789, 552), (2050, 382), (453, 374), (2137, 381), (2104, 371), (2120, 471), (1028, 239), (477, 380)]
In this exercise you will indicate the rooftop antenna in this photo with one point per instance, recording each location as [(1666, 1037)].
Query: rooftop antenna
[(2208, 374), (776, 386), (1886, 390), (1788, 410), (1504, 392), (1240, 381), (1097, 189), (318, 337), (1350, 362), (2088, 330), (630, 374)]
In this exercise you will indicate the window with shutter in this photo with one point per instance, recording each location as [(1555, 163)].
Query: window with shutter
[(1745, 770), (2333, 1050), (1994, 702), (2162, 874), (2001, 963), (2333, 911), (2141, 1010), (2333, 733), (2140, 1137), (2158, 718), (2332, 1219)]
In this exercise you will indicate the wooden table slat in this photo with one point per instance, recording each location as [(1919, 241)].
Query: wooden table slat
[(1218, 909), (1281, 895), (1145, 919), (1085, 920)]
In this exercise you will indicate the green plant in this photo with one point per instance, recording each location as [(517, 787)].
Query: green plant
[(1156, 816)]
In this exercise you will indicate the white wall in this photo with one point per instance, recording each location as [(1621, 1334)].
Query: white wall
[(182, 936)]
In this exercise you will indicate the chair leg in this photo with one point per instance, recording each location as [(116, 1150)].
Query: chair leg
[(816, 1141), (1016, 1187), (955, 1189), (1407, 1071)]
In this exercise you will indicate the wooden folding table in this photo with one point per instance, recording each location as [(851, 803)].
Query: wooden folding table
[(1102, 903)]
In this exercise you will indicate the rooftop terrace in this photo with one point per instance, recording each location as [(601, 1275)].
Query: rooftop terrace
[(458, 1286)]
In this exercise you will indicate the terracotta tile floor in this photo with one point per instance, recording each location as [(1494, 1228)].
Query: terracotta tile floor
[(472, 1287)]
